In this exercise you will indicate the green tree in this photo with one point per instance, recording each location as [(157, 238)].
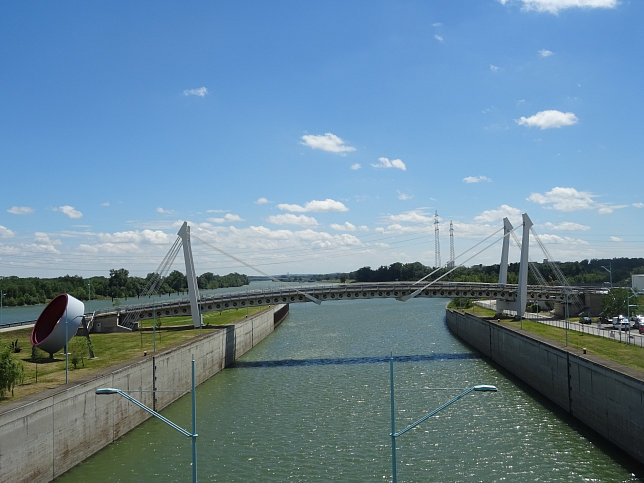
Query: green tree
[(615, 302), (11, 371)]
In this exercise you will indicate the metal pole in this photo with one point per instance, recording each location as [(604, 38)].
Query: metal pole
[(194, 426), (566, 313), (66, 351), (393, 419)]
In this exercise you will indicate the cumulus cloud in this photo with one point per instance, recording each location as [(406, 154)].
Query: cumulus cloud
[(327, 142), (327, 205), (227, 218), (565, 199), (70, 211), (495, 216), (638, 205), (20, 210), (390, 163), (439, 38), (566, 226), (199, 92), (413, 216), (555, 6), (570, 199), (476, 179), (548, 119), (494, 68), (291, 219), (346, 226), (261, 201), (545, 53), (616, 239), (6, 232), (164, 211), (356, 166), (404, 196)]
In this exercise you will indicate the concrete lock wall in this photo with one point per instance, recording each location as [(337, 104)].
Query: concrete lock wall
[(46, 434), (605, 396)]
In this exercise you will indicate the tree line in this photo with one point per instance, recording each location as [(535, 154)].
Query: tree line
[(586, 272), (18, 291)]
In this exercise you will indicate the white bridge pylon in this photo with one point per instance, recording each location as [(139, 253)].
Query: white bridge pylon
[(193, 287), (522, 289)]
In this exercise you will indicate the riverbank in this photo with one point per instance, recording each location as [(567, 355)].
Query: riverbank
[(46, 434), (603, 395)]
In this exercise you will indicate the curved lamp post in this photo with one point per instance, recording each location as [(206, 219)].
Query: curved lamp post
[(394, 434), (193, 435)]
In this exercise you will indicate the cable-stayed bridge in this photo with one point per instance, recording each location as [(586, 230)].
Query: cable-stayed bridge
[(509, 297)]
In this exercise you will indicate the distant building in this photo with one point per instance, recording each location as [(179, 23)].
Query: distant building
[(638, 283)]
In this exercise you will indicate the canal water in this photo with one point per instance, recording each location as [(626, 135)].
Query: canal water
[(312, 403)]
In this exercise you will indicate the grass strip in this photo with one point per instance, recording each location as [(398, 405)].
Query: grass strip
[(109, 349)]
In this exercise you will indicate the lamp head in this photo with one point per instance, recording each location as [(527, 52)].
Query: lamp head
[(485, 387), (107, 390)]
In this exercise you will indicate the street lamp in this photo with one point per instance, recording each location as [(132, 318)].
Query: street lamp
[(394, 434), (610, 272), (193, 435)]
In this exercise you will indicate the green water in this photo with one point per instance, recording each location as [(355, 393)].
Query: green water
[(312, 403)]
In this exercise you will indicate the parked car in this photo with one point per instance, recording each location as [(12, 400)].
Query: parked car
[(586, 320), (621, 323)]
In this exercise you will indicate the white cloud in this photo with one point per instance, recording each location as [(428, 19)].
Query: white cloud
[(227, 218), (554, 6), (548, 119), (390, 163), (496, 216), (291, 219), (566, 226), (70, 211), (565, 199), (616, 239), (42, 243), (476, 179), (20, 210), (154, 237), (164, 211), (440, 38), (105, 203), (545, 53), (327, 142), (356, 166), (638, 205), (404, 196), (6, 232), (261, 201), (314, 206), (346, 226), (412, 216), (199, 92), (494, 68)]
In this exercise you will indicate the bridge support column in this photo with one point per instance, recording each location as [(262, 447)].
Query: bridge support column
[(502, 305), (522, 289), (193, 288)]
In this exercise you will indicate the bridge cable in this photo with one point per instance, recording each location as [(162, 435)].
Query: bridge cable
[(561, 278), (415, 293), (460, 255), (310, 297)]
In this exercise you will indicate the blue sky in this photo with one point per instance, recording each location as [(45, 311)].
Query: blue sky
[(316, 136)]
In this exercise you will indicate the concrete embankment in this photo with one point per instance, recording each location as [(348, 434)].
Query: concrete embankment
[(46, 434), (605, 396)]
